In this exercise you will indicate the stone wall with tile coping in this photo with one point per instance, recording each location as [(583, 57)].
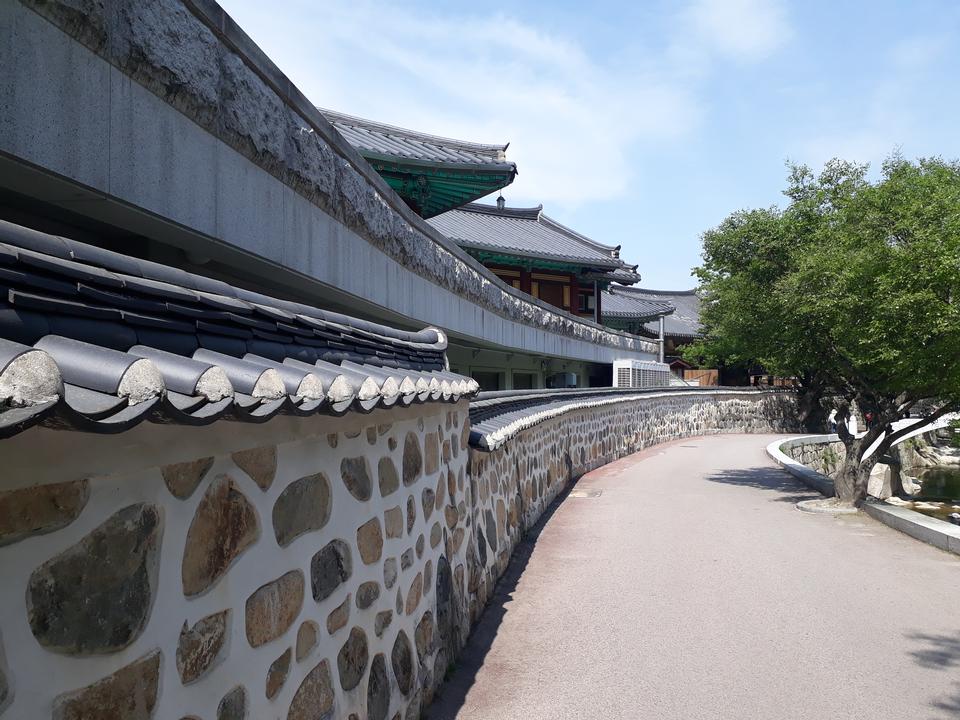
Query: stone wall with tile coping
[(311, 567), (274, 580)]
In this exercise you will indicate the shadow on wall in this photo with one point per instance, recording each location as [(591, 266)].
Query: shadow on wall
[(765, 478), (450, 698), (940, 652)]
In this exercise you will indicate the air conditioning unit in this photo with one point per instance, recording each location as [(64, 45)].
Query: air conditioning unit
[(640, 374)]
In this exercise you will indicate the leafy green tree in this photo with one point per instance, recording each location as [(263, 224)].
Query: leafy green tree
[(853, 289)]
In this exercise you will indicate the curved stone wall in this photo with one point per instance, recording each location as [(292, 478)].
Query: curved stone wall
[(314, 567)]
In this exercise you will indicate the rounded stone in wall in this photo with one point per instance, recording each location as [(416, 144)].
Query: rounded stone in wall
[(411, 513), (423, 636), (314, 698), (329, 568), (491, 530), (273, 607), (40, 509), (378, 689), (367, 594), (370, 541), (303, 506), (183, 478), (412, 459), (413, 595), (393, 522), (356, 477), (129, 693), (382, 621), (401, 659), (96, 596), (259, 463), (224, 525), (201, 647), (277, 674), (233, 705), (389, 572), (339, 616), (387, 476), (431, 450), (352, 659), (307, 637), (427, 499)]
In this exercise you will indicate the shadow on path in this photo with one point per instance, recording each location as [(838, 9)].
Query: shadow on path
[(452, 694), (940, 652), (766, 478)]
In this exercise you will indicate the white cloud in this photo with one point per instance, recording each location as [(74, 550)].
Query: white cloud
[(574, 121), (746, 30)]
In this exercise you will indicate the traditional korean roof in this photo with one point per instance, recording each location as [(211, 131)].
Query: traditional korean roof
[(624, 305), (99, 341), (529, 233), (683, 322), (432, 173)]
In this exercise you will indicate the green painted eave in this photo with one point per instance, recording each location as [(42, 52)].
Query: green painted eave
[(434, 189)]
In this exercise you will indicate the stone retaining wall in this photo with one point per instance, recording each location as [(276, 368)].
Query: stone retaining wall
[(333, 568)]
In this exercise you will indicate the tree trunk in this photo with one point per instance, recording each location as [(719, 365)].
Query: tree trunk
[(845, 482)]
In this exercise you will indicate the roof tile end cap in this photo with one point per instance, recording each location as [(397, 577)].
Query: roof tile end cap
[(32, 378)]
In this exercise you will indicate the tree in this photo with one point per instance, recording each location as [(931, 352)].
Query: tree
[(853, 289)]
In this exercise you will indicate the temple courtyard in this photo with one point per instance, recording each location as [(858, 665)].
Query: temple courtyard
[(682, 582)]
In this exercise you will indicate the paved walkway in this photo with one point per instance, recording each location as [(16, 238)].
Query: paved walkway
[(691, 588)]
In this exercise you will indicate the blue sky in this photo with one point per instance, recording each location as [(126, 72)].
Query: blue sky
[(637, 123)]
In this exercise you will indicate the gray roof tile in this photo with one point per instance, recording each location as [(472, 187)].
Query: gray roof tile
[(528, 232), (375, 138), (683, 322), (73, 355)]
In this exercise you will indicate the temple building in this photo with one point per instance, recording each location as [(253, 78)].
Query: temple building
[(672, 314), (537, 255), (432, 174)]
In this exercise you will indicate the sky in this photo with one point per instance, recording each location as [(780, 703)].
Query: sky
[(639, 124)]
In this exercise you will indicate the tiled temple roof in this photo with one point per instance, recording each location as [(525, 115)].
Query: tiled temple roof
[(683, 322), (528, 233), (95, 340), (371, 137), (432, 174), (623, 305)]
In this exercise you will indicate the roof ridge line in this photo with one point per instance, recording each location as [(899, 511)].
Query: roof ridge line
[(335, 116)]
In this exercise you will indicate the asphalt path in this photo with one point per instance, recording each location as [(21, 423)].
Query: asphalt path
[(681, 582)]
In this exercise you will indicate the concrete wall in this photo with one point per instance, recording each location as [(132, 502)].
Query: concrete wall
[(163, 118)]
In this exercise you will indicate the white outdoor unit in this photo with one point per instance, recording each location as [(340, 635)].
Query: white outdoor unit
[(640, 374)]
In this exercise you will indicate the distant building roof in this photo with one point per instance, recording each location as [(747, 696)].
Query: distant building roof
[(683, 322), (433, 174), (529, 233), (622, 305)]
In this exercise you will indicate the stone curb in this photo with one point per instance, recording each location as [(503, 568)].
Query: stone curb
[(934, 532), (809, 477)]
